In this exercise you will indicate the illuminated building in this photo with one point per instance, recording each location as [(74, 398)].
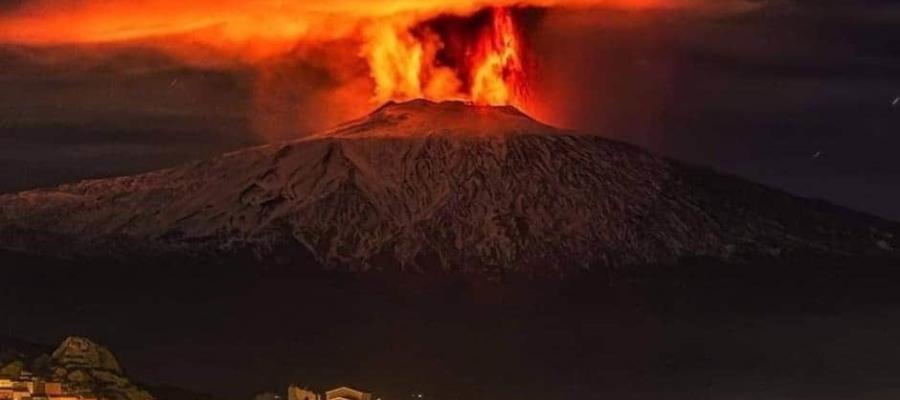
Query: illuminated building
[(346, 393), (27, 387), (297, 393)]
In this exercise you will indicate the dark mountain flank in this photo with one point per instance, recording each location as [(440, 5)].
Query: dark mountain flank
[(448, 186)]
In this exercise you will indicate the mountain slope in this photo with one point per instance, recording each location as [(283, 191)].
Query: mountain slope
[(424, 185)]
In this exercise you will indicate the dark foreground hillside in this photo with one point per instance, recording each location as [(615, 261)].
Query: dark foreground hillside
[(817, 329)]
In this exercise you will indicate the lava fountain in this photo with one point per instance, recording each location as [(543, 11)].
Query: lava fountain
[(478, 58)]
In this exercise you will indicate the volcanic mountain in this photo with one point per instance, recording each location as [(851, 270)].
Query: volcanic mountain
[(450, 186)]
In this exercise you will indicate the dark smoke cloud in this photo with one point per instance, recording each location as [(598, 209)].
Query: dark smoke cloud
[(757, 93), (76, 112), (70, 114), (310, 89), (10, 5)]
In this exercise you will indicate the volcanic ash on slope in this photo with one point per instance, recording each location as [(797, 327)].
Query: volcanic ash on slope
[(442, 185)]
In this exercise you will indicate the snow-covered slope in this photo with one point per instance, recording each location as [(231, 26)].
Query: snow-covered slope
[(441, 185)]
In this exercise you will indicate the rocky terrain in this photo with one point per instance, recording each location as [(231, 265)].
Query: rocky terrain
[(83, 367), (447, 186)]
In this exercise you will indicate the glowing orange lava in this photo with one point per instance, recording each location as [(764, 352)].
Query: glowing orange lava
[(445, 63), (500, 74)]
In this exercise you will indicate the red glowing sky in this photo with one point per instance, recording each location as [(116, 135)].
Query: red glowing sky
[(401, 65)]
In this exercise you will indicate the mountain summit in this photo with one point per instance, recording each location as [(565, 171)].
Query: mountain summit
[(425, 185), (418, 118)]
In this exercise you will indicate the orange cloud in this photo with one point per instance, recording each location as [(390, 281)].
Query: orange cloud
[(233, 22), (405, 57)]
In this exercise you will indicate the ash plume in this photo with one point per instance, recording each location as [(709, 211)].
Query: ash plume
[(316, 65)]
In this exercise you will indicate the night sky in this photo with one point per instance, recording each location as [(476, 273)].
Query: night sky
[(795, 94)]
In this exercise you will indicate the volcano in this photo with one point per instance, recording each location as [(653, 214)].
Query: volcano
[(450, 186)]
